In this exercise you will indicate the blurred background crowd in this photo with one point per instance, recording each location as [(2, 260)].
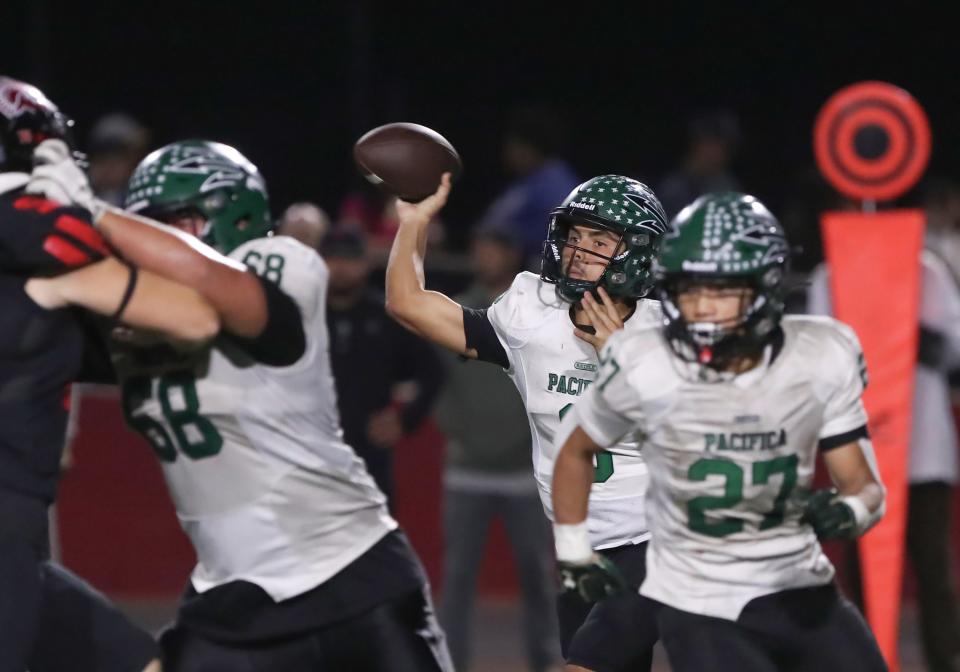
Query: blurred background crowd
[(686, 100)]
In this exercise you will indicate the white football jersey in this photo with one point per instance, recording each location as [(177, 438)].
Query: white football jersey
[(729, 458), (254, 457), (551, 368)]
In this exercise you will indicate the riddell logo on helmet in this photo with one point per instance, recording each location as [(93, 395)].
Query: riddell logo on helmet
[(584, 206)]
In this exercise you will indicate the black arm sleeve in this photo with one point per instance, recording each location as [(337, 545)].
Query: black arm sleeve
[(282, 341), (837, 440), (482, 337), (419, 363)]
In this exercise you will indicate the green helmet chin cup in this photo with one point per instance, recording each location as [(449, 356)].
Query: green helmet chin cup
[(211, 178), (727, 238), (627, 208)]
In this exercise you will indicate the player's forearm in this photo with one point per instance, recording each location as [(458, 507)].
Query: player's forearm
[(161, 249), (873, 496), (405, 283), (853, 469), (154, 303), (572, 478), (226, 284), (178, 312)]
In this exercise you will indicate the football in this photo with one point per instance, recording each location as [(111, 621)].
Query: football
[(406, 160)]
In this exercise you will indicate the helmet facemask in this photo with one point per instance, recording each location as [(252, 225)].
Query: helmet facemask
[(626, 271), (717, 343), (724, 240), (626, 208), (561, 255)]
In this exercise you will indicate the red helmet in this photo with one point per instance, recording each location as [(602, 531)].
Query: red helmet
[(27, 118)]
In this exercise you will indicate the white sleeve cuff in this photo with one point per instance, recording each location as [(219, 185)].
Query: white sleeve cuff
[(572, 543)]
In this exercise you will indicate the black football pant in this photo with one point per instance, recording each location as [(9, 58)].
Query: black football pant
[(398, 636), (616, 634), (802, 630), (51, 621)]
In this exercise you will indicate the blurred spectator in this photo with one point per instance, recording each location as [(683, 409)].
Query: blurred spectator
[(933, 464), (712, 140), (371, 212), (488, 475), (532, 151), (116, 144), (306, 222), (941, 201), (371, 356)]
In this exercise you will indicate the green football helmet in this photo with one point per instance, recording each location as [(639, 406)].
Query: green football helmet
[(723, 240), (210, 178), (619, 204)]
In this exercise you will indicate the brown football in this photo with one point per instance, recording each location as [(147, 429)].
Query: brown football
[(406, 160)]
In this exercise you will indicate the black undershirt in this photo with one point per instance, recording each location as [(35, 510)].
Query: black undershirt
[(482, 337)]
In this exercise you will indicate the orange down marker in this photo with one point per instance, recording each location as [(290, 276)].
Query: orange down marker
[(875, 287), (872, 142)]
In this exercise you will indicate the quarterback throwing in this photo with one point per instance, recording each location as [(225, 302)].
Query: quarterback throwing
[(731, 402)]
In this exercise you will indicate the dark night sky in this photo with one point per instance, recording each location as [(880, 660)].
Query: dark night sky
[(293, 84)]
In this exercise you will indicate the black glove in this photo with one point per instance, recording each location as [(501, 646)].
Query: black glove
[(829, 515), (594, 581)]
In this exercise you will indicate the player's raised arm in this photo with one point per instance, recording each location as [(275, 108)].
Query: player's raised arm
[(233, 291), (138, 299), (229, 286), (431, 315)]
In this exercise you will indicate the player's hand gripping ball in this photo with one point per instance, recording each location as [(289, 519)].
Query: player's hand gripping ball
[(593, 581), (406, 160), (829, 515)]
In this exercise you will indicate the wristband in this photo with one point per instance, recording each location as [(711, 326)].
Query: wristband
[(863, 519), (127, 293), (572, 543)]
